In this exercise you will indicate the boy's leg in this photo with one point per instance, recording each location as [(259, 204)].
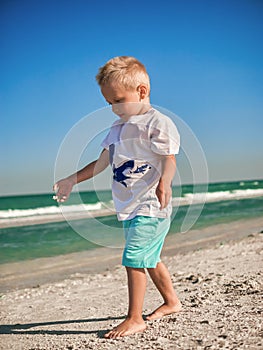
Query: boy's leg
[(134, 322), (161, 278)]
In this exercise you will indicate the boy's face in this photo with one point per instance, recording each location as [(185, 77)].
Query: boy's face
[(125, 103)]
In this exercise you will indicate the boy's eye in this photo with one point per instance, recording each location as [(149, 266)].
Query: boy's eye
[(116, 101), (119, 100)]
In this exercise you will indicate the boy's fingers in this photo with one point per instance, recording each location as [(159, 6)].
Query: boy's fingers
[(60, 198), (162, 201)]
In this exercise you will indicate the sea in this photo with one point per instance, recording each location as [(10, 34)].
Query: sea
[(32, 226)]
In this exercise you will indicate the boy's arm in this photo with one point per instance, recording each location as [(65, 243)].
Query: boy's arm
[(164, 190), (64, 187)]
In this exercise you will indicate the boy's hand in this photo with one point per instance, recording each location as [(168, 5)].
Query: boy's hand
[(163, 193), (63, 189)]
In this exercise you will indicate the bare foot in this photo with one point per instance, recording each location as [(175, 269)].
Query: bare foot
[(127, 327), (164, 310)]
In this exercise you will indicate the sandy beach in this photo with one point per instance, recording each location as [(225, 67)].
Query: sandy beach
[(70, 302)]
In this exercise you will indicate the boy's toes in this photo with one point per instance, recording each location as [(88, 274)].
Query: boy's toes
[(109, 334)]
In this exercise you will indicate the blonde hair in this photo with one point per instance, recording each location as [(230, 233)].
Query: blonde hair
[(124, 70)]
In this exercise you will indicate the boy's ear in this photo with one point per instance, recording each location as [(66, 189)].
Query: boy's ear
[(143, 91)]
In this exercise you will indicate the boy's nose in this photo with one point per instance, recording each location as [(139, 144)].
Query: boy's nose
[(115, 108)]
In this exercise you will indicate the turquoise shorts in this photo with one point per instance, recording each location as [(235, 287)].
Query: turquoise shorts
[(144, 237)]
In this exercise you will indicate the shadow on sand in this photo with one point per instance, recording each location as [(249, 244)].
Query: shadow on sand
[(25, 328)]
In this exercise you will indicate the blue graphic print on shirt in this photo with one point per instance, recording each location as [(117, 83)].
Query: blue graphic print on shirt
[(118, 173)]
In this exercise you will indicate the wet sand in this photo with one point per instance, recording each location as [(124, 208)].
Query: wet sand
[(69, 302), (31, 273)]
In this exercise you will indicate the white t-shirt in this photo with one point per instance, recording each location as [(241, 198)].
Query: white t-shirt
[(136, 148)]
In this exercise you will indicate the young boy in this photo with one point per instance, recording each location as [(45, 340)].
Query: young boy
[(140, 147)]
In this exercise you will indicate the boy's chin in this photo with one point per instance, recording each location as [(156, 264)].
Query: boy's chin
[(124, 116)]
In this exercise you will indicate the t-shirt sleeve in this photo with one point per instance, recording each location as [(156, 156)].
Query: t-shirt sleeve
[(112, 135), (165, 138), (106, 142)]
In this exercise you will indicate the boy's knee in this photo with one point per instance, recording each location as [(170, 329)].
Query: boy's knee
[(129, 268)]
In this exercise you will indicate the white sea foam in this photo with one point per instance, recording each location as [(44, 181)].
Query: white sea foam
[(195, 198), (18, 213), (188, 199)]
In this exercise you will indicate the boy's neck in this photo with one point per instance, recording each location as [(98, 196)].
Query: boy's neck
[(146, 106)]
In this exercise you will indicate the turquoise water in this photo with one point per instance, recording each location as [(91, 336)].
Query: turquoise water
[(51, 239)]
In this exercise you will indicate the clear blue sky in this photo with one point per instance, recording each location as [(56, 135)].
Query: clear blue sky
[(205, 59)]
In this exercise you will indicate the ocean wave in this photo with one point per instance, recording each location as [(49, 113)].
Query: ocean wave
[(18, 213), (187, 199), (208, 197)]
